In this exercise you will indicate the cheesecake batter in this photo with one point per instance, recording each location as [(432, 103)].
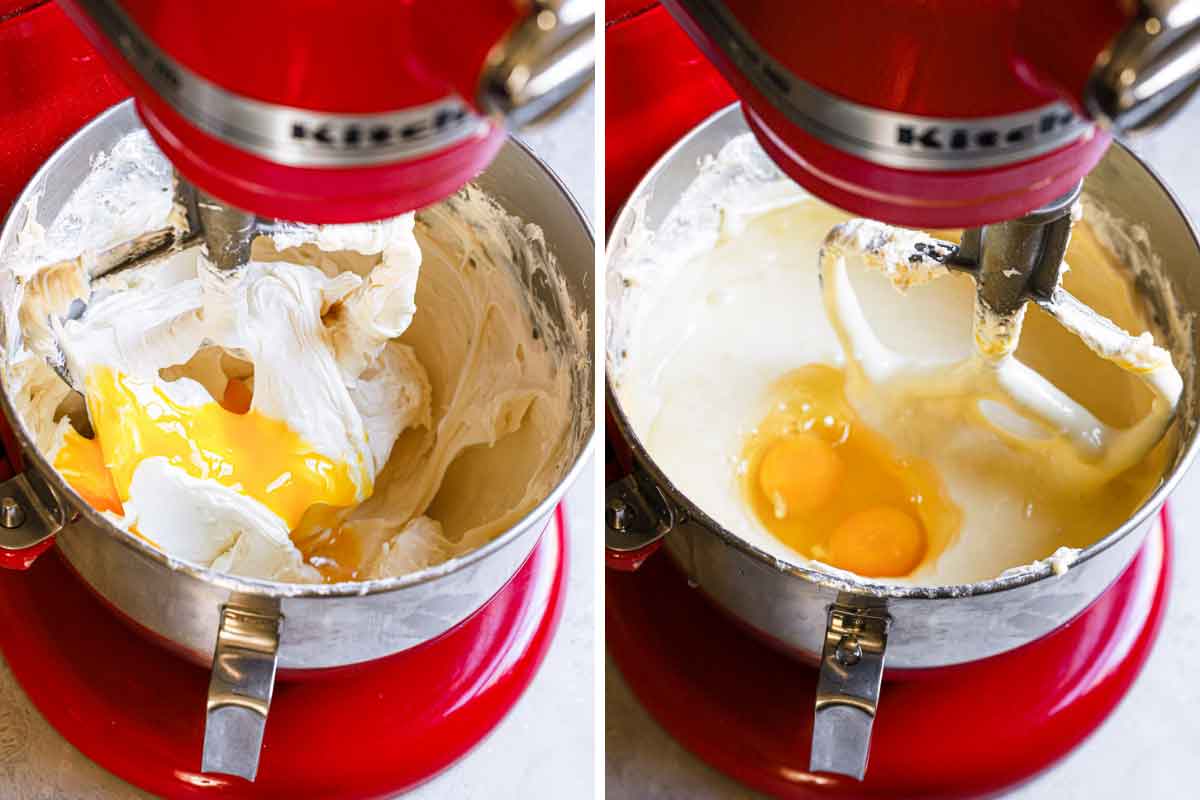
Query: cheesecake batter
[(357, 402), (714, 320)]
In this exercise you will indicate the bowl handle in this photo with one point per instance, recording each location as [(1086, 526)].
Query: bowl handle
[(243, 680), (856, 634), (31, 512), (30, 515), (636, 518)]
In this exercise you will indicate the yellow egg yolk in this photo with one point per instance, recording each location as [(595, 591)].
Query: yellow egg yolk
[(259, 456), (882, 542), (799, 473), (81, 463), (328, 545), (237, 397), (831, 488)]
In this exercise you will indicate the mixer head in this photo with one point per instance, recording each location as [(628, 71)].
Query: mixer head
[(944, 114), (282, 110)]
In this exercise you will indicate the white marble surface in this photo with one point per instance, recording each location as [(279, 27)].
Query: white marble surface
[(1147, 748), (542, 749)]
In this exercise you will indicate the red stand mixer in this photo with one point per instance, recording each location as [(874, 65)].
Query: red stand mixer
[(356, 115), (946, 114), (399, 123), (984, 116), (279, 111)]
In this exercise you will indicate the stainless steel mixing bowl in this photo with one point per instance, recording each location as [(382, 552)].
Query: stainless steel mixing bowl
[(248, 627), (849, 626)]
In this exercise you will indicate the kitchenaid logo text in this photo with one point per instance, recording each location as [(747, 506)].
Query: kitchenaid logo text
[(884, 137), (359, 135), (983, 135)]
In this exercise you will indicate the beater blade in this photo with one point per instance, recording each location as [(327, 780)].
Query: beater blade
[(226, 233), (1012, 263)]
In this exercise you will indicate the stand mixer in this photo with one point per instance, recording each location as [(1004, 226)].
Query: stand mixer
[(369, 114), (1004, 143), (960, 114), (983, 116), (343, 119)]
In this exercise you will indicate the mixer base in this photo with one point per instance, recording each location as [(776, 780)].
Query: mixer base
[(956, 732), (366, 731)]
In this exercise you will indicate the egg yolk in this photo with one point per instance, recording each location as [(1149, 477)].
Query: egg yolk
[(828, 486), (799, 473), (235, 446), (328, 545), (237, 397), (81, 463), (881, 542)]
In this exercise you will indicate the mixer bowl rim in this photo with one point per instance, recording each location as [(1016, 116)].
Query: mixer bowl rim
[(1017, 577), (123, 115)]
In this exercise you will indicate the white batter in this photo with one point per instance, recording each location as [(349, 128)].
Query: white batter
[(705, 316)]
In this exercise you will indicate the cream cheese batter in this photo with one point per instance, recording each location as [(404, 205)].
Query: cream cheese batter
[(709, 313), (400, 361)]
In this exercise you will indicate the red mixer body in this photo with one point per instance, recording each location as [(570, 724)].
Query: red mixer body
[(310, 110), (930, 113)]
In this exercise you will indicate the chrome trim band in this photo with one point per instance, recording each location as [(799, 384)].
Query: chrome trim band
[(285, 135), (889, 138)]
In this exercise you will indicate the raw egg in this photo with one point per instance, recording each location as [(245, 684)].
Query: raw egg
[(799, 473), (879, 542), (81, 463), (229, 443), (824, 483), (328, 544)]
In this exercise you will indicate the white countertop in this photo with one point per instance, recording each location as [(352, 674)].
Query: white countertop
[(1147, 748), (542, 749)]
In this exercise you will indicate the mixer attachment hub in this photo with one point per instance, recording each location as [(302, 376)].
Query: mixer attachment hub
[(1021, 258), (1012, 262), (227, 231)]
